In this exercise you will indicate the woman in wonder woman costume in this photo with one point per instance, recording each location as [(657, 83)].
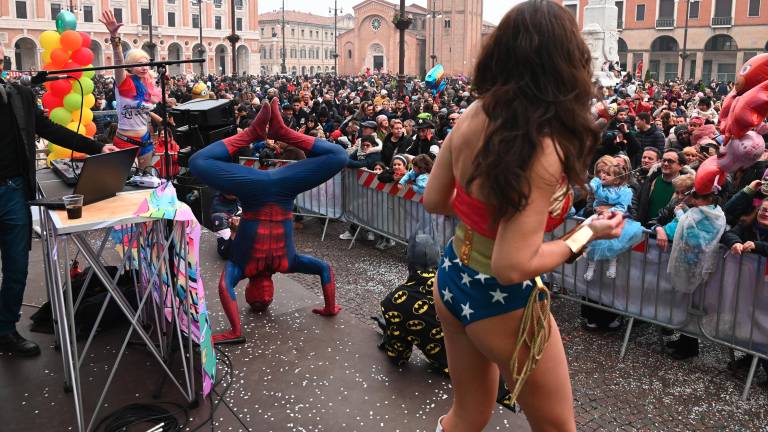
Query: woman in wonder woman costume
[(537, 136), (264, 242)]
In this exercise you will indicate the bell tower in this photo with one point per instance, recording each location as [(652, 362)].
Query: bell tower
[(454, 31)]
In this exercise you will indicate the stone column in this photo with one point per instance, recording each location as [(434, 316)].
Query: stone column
[(630, 62), (739, 60), (646, 63), (699, 65)]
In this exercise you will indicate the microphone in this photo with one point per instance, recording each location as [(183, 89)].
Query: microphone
[(40, 78)]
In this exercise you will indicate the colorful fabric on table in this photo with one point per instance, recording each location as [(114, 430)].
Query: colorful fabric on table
[(148, 256)]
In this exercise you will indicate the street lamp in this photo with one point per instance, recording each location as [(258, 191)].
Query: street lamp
[(402, 22), (335, 55), (283, 69), (684, 55), (151, 45), (434, 14), (233, 38)]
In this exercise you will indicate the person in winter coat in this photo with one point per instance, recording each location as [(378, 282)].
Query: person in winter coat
[(363, 157)]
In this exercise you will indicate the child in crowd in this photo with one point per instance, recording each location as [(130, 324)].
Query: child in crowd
[(666, 222), (419, 174), (694, 253), (379, 167), (396, 172), (611, 192)]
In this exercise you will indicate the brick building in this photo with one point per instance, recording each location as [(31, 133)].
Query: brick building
[(308, 41), (176, 31), (456, 26), (722, 34)]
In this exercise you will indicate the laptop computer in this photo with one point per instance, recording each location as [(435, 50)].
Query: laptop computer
[(102, 176)]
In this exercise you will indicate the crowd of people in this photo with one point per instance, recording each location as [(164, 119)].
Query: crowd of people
[(652, 140), (654, 136)]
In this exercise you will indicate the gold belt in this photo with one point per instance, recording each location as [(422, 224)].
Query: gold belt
[(473, 249)]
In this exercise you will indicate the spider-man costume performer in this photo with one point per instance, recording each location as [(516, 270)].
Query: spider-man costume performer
[(264, 241)]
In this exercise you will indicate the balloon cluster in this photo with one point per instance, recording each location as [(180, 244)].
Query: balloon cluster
[(744, 110), (68, 101), (435, 79)]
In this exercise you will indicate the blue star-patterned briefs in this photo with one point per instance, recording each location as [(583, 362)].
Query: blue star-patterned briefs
[(472, 296)]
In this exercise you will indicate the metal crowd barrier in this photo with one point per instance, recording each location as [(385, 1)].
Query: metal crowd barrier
[(325, 201), (392, 213), (730, 308)]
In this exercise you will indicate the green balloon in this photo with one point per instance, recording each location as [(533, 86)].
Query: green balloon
[(65, 20), (87, 86), (61, 116), (73, 101), (89, 74)]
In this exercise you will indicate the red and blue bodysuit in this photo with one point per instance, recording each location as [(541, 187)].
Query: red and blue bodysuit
[(264, 241)]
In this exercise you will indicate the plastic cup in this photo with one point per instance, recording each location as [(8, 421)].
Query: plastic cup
[(74, 206)]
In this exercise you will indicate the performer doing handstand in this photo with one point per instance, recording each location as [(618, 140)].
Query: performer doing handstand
[(264, 242)]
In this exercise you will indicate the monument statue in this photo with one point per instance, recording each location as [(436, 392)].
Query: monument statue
[(602, 37)]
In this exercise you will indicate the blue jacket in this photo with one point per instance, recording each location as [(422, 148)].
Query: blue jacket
[(419, 181)]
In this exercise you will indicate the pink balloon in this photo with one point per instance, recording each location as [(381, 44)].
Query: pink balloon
[(741, 152), (82, 56)]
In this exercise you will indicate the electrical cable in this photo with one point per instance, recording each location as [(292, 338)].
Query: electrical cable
[(155, 415), (77, 129)]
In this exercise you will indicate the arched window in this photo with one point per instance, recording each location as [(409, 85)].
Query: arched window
[(664, 43), (349, 53), (721, 42)]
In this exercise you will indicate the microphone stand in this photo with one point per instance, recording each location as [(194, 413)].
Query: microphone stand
[(161, 69)]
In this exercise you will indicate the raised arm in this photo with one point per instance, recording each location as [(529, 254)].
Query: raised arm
[(109, 21)]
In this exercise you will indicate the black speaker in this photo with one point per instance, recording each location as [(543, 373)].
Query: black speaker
[(205, 113), (198, 138), (197, 196)]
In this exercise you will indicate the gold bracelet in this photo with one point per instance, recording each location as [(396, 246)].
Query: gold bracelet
[(577, 240)]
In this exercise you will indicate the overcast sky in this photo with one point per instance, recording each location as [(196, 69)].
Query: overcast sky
[(494, 9)]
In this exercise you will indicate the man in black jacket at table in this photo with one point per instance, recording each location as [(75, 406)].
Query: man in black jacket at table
[(20, 120)]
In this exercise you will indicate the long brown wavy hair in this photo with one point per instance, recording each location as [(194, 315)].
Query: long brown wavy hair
[(534, 77)]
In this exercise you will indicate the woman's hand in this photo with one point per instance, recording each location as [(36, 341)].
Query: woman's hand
[(755, 185), (607, 225), (109, 21), (661, 238), (737, 248)]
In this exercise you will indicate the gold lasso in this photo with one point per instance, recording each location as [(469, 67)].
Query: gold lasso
[(534, 331)]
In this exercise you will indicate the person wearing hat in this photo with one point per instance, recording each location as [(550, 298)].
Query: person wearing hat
[(288, 116), (425, 141)]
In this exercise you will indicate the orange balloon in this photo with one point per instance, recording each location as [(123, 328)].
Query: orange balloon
[(59, 57), (90, 129), (71, 40)]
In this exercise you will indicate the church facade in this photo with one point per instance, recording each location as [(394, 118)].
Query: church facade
[(373, 43)]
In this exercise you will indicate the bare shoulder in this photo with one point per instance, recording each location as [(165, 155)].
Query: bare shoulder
[(472, 123)]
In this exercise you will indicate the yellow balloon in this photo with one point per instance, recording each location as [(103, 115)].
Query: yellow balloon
[(58, 152), (87, 116), (46, 57), (89, 101), (73, 127), (50, 40)]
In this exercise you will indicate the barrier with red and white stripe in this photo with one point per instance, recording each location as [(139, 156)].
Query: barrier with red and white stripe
[(369, 180)]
